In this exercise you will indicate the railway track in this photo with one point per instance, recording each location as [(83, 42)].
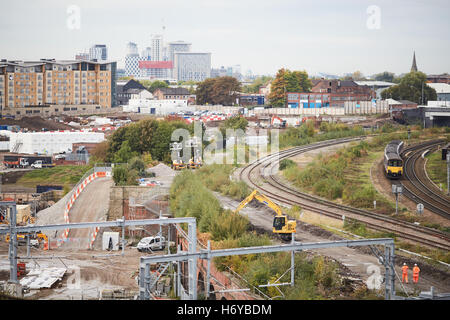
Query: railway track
[(261, 175), (416, 184)]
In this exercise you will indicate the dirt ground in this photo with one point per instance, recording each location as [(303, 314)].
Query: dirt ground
[(36, 124), (303, 159), (89, 272)]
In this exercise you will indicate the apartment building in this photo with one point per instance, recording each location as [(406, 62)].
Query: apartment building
[(192, 66), (49, 82)]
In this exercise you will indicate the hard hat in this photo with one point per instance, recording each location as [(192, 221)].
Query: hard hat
[(404, 263), (415, 264)]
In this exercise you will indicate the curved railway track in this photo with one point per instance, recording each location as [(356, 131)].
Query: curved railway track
[(416, 184), (264, 170)]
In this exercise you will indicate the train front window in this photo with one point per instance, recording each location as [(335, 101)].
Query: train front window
[(395, 163)]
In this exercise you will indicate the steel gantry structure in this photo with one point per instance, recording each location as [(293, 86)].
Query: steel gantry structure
[(192, 255), (145, 283), (13, 230)]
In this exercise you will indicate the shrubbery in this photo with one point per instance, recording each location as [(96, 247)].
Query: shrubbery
[(217, 178), (285, 163), (326, 175), (314, 278), (146, 136), (190, 198), (306, 134)]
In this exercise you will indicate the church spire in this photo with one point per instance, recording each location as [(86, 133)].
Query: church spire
[(414, 65)]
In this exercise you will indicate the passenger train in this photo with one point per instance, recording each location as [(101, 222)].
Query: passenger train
[(393, 163)]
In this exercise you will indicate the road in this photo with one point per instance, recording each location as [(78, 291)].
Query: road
[(92, 205)]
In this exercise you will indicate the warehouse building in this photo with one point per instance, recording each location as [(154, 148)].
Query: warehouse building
[(50, 142), (157, 107)]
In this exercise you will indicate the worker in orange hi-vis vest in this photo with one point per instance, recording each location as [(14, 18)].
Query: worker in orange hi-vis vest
[(405, 273), (416, 271)]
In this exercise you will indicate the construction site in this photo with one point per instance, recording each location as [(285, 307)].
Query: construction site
[(107, 241)]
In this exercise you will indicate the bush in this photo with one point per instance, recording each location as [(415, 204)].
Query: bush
[(360, 197), (217, 178), (285, 163), (190, 198), (228, 225), (120, 175), (138, 165)]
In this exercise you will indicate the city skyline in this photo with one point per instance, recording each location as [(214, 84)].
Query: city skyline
[(263, 36)]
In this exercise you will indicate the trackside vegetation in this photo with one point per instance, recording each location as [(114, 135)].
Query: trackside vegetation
[(339, 176), (217, 178), (435, 168), (191, 195), (306, 133)]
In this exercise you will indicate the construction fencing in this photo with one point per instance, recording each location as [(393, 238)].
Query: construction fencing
[(349, 108), (151, 204)]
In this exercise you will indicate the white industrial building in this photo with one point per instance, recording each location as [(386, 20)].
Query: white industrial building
[(157, 107), (50, 142)]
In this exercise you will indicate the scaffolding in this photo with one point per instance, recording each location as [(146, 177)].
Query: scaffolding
[(13, 230), (146, 282), (154, 201)]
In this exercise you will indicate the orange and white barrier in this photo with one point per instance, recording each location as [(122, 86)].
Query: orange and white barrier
[(96, 230), (72, 199)]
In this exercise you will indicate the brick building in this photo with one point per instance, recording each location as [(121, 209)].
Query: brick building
[(172, 93), (330, 93), (438, 78), (349, 87)]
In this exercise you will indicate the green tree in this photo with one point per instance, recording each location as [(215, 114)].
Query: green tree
[(277, 96), (145, 83), (137, 164), (236, 122), (410, 88), (222, 90), (124, 153), (256, 84), (303, 80), (120, 175), (288, 81), (385, 76), (225, 91), (147, 136), (357, 75), (157, 84), (204, 90)]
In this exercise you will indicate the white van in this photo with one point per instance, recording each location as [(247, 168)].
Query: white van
[(149, 244)]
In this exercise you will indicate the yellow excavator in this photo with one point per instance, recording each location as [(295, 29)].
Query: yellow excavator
[(39, 236), (281, 224), (178, 165)]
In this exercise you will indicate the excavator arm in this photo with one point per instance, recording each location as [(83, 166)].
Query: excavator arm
[(261, 198), (281, 224)]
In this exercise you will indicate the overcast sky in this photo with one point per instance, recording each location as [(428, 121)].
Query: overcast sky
[(329, 36)]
